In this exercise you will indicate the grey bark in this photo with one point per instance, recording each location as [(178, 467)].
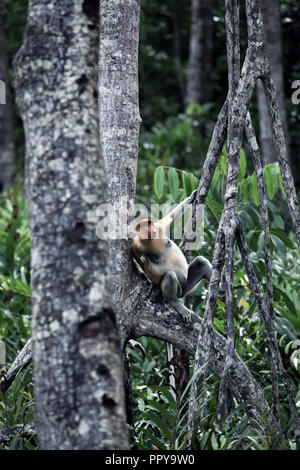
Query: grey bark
[(200, 53), (79, 398), (7, 147), (119, 133), (120, 124), (272, 29)]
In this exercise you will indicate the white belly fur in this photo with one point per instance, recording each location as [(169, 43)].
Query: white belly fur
[(175, 261)]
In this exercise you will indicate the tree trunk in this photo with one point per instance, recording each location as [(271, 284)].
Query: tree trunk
[(120, 124), (79, 398), (272, 29), (200, 55), (7, 148)]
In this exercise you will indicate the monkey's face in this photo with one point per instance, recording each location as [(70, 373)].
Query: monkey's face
[(146, 230)]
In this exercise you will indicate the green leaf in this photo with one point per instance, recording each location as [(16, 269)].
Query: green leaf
[(194, 109), (163, 427), (223, 160), (255, 189), (214, 207), (271, 180), (180, 196), (166, 392), (289, 303), (255, 215), (279, 245), (245, 189), (194, 182), (141, 404), (186, 181), (282, 235), (173, 180), (154, 440), (278, 221), (243, 163), (214, 442), (163, 412), (159, 181), (10, 284)]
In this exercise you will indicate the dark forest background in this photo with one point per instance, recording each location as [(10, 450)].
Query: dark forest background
[(163, 66)]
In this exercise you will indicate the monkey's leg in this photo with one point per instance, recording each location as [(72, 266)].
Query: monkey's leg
[(171, 290), (170, 286), (199, 268)]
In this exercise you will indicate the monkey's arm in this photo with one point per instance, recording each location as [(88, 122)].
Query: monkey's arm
[(176, 212), (136, 252), (144, 264)]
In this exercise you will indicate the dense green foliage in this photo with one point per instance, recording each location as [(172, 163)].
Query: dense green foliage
[(173, 146), (16, 406)]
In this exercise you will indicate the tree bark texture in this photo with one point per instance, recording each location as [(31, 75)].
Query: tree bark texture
[(119, 125), (272, 29), (200, 52), (79, 397), (7, 147)]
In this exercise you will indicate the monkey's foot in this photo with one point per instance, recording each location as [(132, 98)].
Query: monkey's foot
[(184, 312)]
